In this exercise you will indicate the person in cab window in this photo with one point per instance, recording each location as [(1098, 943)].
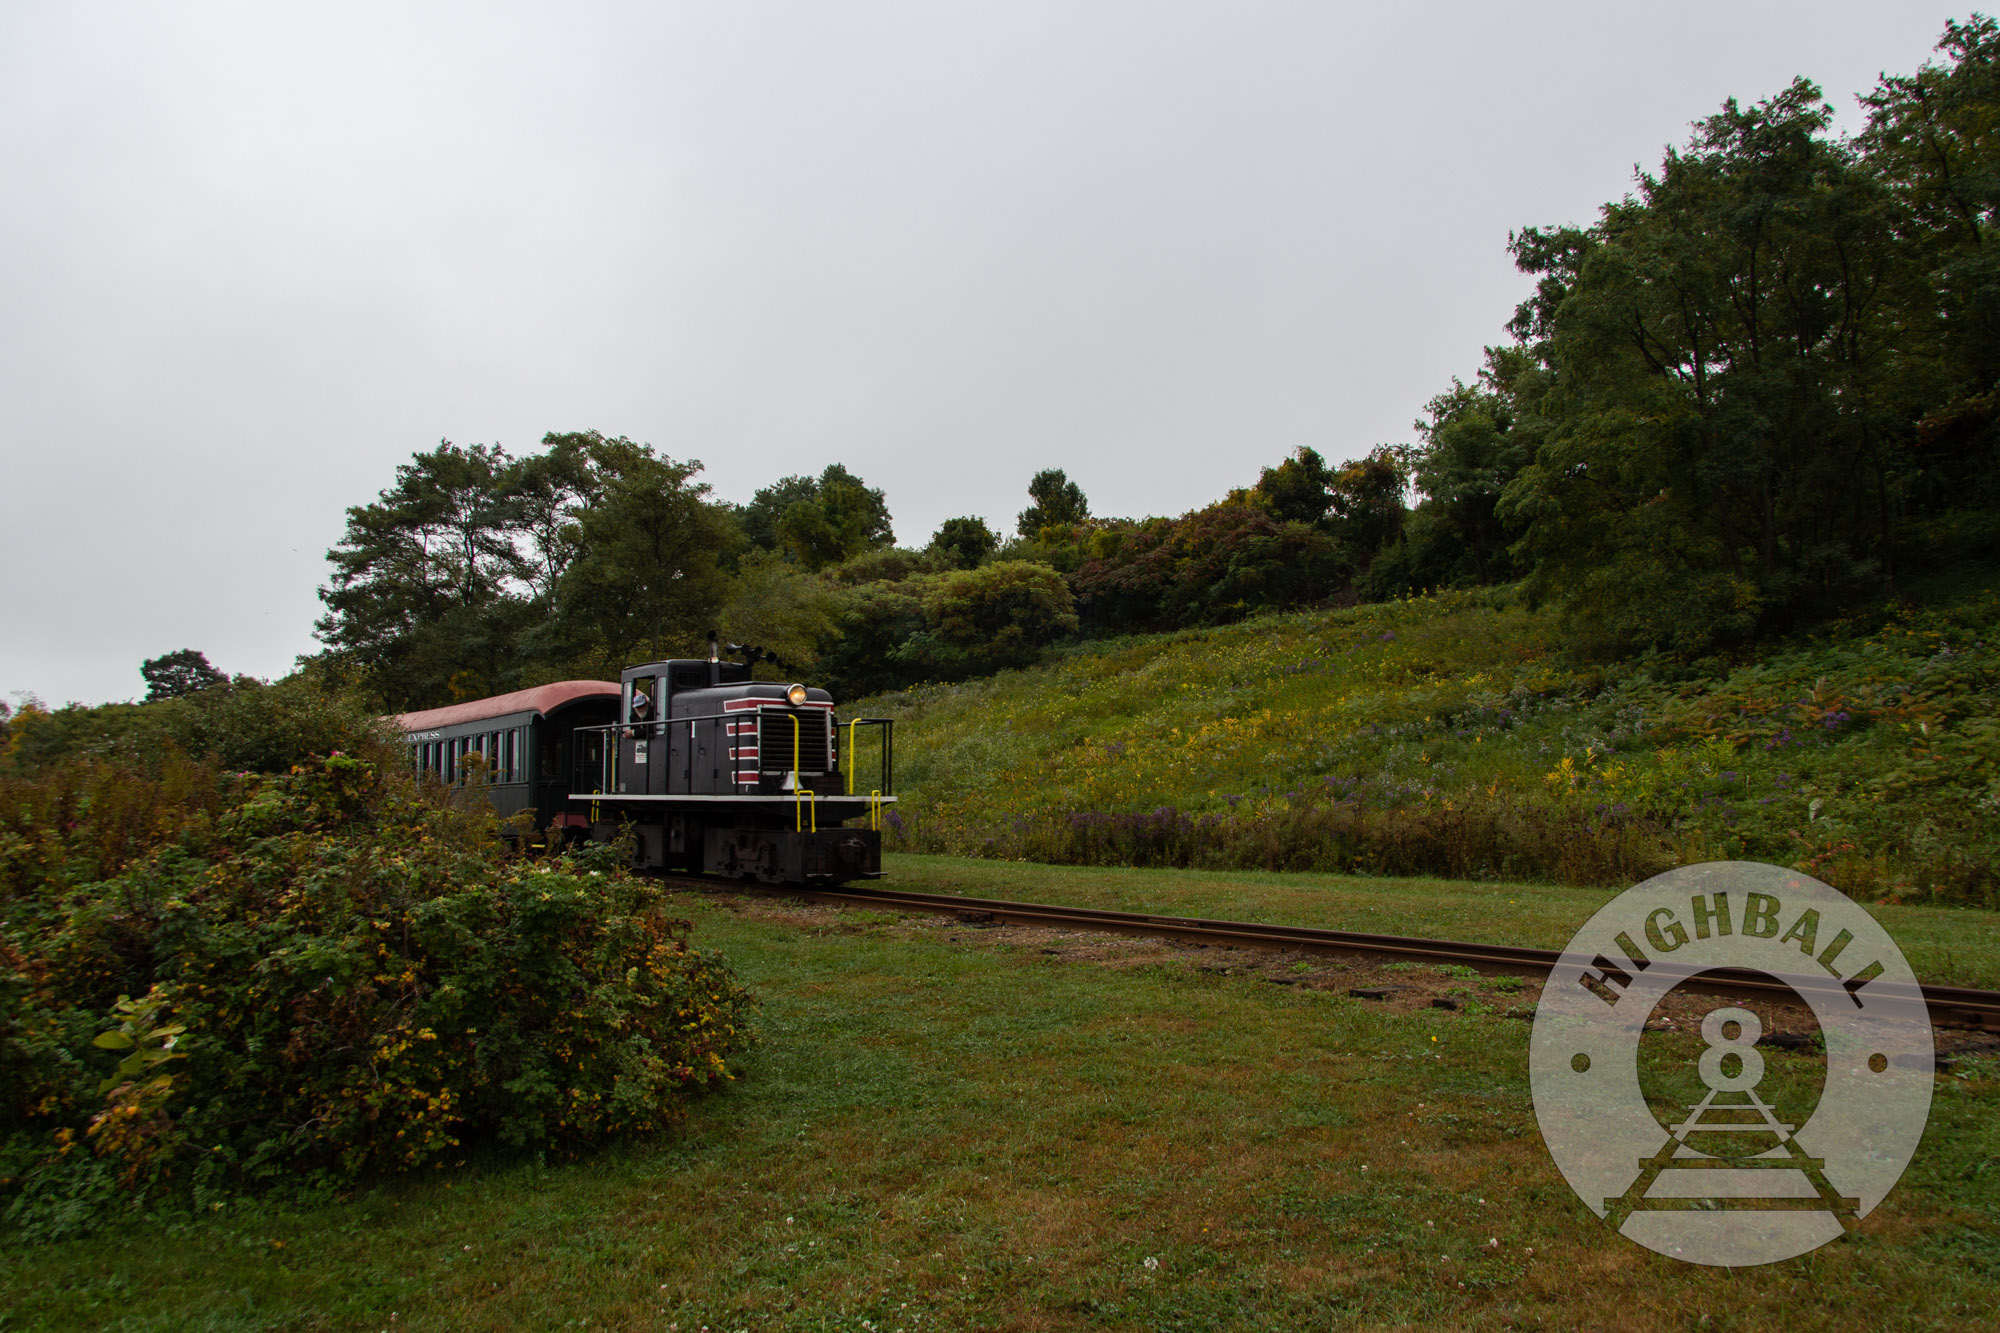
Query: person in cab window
[(642, 704)]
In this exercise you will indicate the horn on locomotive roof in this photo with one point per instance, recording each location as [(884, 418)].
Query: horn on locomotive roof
[(753, 653)]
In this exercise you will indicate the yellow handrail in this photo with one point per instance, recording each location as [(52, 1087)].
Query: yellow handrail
[(802, 800), (875, 809)]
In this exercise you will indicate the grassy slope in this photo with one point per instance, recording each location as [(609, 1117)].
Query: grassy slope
[(1948, 946), (944, 1133), (1872, 760)]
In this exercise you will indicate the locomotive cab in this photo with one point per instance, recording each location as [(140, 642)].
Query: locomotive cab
[(693, 728)]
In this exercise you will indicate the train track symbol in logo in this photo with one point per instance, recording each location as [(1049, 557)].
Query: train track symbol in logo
[(1684, 1136)]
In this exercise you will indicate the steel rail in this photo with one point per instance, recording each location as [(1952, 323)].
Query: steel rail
[(1950, 1006)]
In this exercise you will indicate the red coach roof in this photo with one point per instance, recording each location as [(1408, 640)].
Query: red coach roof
[(541, 699)]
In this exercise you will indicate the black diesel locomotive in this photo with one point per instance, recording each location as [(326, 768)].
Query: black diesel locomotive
[(715, 772)]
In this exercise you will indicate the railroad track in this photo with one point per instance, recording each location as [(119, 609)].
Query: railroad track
[(1950, 1006)]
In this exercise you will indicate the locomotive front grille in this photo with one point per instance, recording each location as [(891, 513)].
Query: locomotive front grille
[(774, 740)]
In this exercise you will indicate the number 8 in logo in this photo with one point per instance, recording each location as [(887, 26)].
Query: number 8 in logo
[(1724, 1046)]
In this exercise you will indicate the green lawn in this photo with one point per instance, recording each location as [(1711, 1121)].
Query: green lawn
[(952, 1129), (1947, 946)]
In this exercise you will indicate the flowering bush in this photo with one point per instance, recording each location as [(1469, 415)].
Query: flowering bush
[(337, 974)]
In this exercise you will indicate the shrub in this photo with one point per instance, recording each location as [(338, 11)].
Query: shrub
[(999, 615), (874, 619), (1213, 565), (364, 982), (1325, 834), (240, 724)]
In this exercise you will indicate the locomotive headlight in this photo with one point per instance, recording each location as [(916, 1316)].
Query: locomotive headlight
[(797, 694)]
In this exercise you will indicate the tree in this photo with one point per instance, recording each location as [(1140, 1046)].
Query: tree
[(477, 572), (1934, 138), (965, 543), (177, 675), (818, 521), (1058, 502), (417, 573), (1298, 490), (1727, 399), (774, 605), (759, 518), (1367, 502), (1476, 440), (872, 623), (647, 576), (541, 500), (981, 620)]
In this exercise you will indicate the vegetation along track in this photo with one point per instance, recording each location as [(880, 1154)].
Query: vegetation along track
[(1950, 1006)]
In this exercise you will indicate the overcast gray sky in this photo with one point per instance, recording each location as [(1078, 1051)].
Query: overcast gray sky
[(253, 256)]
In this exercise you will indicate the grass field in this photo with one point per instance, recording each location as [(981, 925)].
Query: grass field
[(1451, 735), (947, 1128), (1947, 946)]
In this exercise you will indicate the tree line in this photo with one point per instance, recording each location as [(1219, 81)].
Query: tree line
[(1759, 390)]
